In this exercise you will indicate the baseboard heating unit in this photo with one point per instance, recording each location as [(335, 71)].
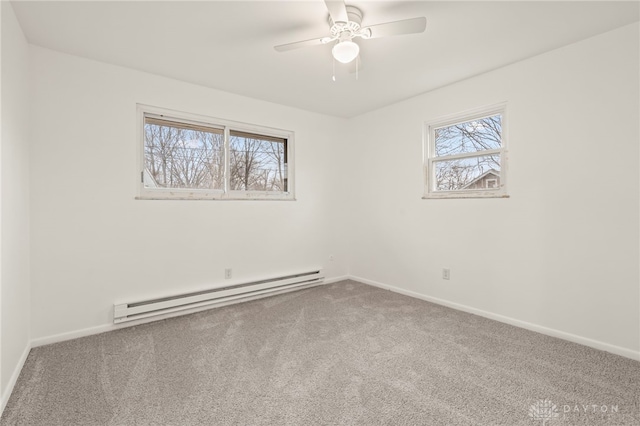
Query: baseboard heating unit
[(220, 295)]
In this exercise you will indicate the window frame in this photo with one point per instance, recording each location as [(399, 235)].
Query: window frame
[(144, 193), (429, 153)]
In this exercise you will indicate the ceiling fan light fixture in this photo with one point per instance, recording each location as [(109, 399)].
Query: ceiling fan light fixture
[(345, 51)]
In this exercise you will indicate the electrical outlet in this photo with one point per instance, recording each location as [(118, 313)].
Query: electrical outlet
[(227, 273), (446, 273)]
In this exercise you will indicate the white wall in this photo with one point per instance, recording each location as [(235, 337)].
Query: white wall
[(563, 249), (562, 252), (14, 213), (94, 244)]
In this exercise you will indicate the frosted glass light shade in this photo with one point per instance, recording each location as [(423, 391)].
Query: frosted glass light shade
[(345, 51)]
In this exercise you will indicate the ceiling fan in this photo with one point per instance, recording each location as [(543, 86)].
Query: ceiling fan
[(345, 25)]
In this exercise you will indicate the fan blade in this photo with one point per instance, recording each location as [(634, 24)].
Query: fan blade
[(299, 44), (406, 26), (338, 10)]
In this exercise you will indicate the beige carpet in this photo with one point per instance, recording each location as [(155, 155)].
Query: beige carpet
[(341, 354)]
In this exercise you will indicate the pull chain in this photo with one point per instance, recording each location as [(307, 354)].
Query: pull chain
[(334, 69)]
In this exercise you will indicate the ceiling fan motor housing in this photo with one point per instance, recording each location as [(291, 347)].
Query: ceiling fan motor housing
[(353, 26)]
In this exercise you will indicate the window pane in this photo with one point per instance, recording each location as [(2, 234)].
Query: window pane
[(471, 136), (183, 157), (482, 172), (257, 163)]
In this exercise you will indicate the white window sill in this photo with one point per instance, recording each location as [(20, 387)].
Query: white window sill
[(448, 195), (212, 199)]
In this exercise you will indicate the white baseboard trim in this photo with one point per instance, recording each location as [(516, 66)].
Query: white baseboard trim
[(336, 279), (14, 378), (70, 335), (61, 337), (628, 353), (618, 350)]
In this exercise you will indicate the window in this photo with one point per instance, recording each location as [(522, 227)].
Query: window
[(465, 155), (193, 157)]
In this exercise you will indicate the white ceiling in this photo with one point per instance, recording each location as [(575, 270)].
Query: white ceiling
[(229, 45)]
